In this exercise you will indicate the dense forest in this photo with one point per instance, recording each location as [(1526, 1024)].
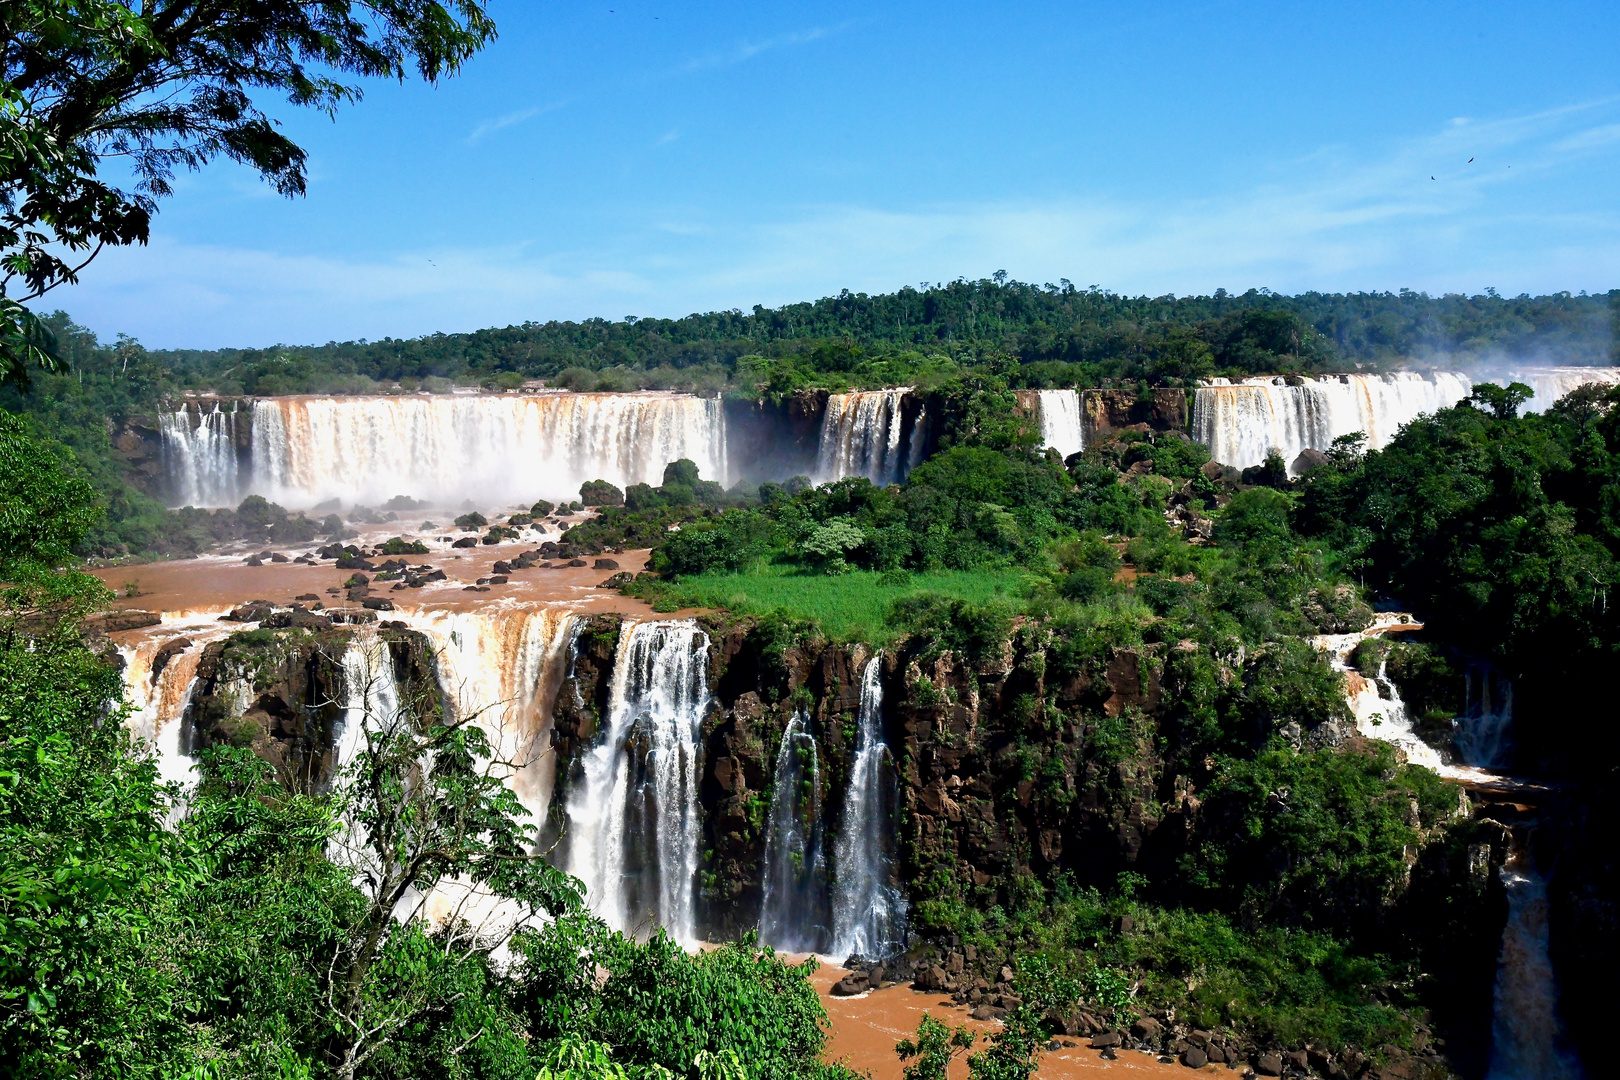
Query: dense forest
[(1052, 335)]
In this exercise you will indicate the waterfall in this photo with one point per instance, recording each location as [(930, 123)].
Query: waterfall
[(633, 814), (158, 705), (1241, 423), (866, 434), (1552, 383), (869, 910), (445, 449), (1376, 703), (1060, 421), (370, 695), (793, 915), (1526, 1040), (201, 456), (1483, 731), (500, 666)]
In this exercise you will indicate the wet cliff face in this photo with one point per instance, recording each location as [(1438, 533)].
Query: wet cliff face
[(281, 693), (768, 440), (1108, 412), (994, 784)]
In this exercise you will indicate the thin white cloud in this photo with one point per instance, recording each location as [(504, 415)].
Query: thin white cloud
[(491, 126), (668, 137), (747, 50)]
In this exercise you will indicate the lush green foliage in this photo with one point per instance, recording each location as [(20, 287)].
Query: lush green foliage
[(165, 85)]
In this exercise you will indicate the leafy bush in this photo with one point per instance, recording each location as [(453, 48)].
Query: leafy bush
[(600, 493)]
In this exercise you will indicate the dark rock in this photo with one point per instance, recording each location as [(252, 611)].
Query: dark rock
[(169, 651), (1297, 1059), (498, 579), (604, 564), (278, 557), (501, 567), (1269, 1064), (306, 597), (988, 1012), (1194, 1058), (576, 562), (853, 983), (1147, 1029), (1309, 459), (1106, 1039), (466, 542), (377, 603)]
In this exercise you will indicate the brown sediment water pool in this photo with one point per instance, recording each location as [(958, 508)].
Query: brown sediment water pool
[(866, 1027), (220, 582)]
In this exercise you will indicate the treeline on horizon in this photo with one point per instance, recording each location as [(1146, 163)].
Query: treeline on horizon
[(1041, 336)]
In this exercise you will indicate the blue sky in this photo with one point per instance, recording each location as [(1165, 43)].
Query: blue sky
[(653, 159)]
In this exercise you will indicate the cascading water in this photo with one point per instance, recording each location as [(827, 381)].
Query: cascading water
[(633, 814), (1483, 731), (370, 695), (793, 916), (1527, 1042), (200, 450), (868, 909), (1241, 423), (1552, 383), (1060, 421), (865, 434), (158, 704), (508, 448), (1376, 704), (501, 666)]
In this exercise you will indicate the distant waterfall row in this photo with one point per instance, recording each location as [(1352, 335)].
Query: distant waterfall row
[(1241, 423), (493, 449)]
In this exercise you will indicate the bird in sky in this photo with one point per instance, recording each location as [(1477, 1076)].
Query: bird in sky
[(1470, 161), (1431, 178)]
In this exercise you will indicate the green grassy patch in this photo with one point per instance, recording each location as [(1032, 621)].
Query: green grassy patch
[(847, 607)]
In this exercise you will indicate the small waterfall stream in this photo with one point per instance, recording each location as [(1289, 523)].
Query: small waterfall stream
[(793, 916), (1060, 421), (633, 815), (869, 910), (1527, 1041)]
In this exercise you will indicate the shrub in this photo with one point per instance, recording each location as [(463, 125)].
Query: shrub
[(471, 521), (600, 493)]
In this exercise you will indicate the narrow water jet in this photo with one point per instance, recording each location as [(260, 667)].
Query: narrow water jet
[(793, 915), (1527, 1040), (868, 907), (633, 818)]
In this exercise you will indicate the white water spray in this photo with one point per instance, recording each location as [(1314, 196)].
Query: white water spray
[(633, 815), (492, 449), (869, 910), (793, 912), (200, 448)]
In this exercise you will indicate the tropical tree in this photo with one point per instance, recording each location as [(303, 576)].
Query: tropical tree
[(167, 84)]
